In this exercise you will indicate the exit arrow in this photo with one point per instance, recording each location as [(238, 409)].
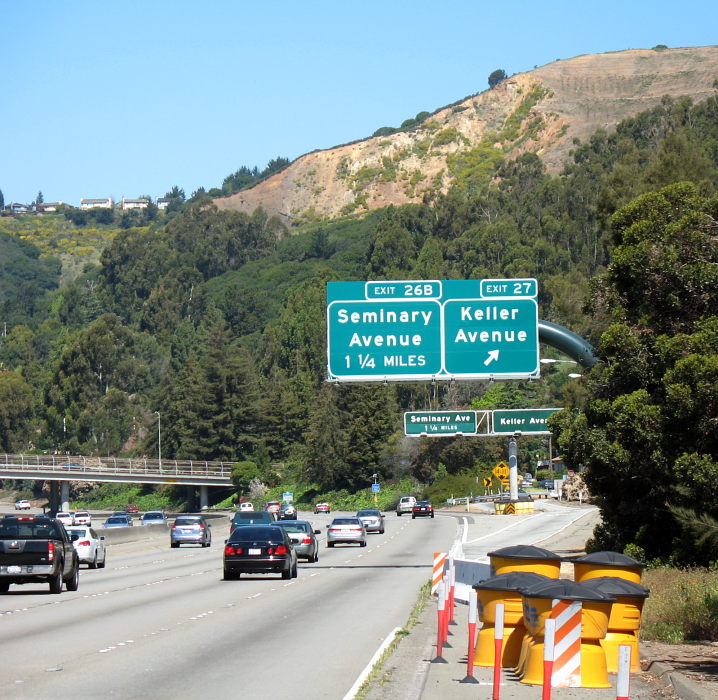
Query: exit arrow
[(493, 355)]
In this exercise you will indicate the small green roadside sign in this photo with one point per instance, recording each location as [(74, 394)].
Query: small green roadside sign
[(530, 420), (445, 423)]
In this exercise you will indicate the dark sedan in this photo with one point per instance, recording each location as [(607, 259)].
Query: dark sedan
[(422, 508), (259, 549)]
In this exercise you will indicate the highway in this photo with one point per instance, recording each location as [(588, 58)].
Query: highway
[(160, 622)]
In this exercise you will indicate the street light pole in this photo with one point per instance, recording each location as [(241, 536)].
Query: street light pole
[(159, 439)]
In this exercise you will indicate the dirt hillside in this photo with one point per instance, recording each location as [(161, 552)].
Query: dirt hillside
[(542, 111)]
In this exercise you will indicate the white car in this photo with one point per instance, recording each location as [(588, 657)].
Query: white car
[(90, 546), (67, 518), (22, 505), (246, 506), (82, 517)]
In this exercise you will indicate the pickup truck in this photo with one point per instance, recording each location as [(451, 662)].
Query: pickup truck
[(36, 548)]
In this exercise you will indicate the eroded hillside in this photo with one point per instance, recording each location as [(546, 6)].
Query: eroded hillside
[(542, 111)]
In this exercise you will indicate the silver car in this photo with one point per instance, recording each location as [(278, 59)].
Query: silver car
[(154, 517), (90, 546), (190, 529), (346, 530), (303, 536), (373, 520)]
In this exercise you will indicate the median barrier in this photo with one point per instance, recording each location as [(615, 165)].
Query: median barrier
[(136, 533)]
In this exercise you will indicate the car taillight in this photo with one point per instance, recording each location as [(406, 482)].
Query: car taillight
[(231, 550), (174, 527), (50, 551), (201, 527), (306, 540), (279, 549), (84, 543)]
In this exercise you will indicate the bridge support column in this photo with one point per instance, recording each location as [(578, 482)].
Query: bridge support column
[(65, 495), (54, 505), (203, 499)]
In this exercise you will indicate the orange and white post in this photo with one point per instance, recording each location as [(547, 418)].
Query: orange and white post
[(623, 681), (498, 649), (440, 619), (549, 638), (567, 649), (438, 571)]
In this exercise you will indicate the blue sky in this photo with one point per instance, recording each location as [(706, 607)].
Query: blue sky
[(130, 98)]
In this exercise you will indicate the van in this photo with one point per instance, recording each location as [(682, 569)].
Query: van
[(405, 505)]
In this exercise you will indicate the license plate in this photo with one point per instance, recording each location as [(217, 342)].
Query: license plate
[(254, 551), (14, 569)]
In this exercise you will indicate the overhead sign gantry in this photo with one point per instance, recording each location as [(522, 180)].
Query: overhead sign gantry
[(427, 330)]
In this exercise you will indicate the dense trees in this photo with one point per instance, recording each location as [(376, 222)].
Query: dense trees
[(216, 319), (648, 434)]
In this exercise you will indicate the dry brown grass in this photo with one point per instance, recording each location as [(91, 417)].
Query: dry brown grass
[(682, 607)]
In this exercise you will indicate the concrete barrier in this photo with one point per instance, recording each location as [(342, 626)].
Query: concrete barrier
[(138, 533)]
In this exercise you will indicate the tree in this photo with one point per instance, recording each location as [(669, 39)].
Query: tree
[(2, 200), (648, 434), (496, 77), (16, 404), (39, 199)]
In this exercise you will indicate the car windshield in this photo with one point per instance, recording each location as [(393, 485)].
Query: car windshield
[(270, 533), (81, 513), (77, 534), (251, 517), (423, 503), (368, 511), (346, 521), (153, 516), (184, 522), (28, 529), (293, 526), (116, 519)]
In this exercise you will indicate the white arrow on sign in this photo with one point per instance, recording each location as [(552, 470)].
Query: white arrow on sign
[(493, 355)]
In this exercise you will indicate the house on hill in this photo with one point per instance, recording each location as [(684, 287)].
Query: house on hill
[(134, 203), (103, 203)]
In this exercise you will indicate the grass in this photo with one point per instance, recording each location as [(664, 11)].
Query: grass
[(377, 674), (682, 607)]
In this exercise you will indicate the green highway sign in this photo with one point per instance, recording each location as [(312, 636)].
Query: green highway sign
[(530, 420), (425, 330), (445, 423)]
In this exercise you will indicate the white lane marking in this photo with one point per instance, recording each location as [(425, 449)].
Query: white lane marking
[(351, 693), (508, 527)]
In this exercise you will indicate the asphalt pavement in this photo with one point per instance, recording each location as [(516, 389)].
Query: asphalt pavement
[(414, 672)]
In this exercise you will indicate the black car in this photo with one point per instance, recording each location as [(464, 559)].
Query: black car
[(422, 508), (259, 549)]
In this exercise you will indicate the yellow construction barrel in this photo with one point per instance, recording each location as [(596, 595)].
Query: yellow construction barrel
[(581, 615), (601, 564), (503, 588), (625, 618), (524, 557)]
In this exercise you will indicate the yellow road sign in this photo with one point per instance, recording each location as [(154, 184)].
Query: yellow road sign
[(487, 481), (501, 470)]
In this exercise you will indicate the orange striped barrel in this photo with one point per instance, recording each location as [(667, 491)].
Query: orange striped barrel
[(438, 570)]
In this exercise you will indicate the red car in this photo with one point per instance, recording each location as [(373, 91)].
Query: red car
[(422, 508), (322, 508), (131, 508)]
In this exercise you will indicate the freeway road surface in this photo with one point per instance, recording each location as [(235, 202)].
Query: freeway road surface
[(160, 622)]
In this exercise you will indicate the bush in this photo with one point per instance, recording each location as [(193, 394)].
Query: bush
[(682, 607)]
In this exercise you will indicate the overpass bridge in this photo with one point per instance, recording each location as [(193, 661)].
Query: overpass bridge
[(61, 469)]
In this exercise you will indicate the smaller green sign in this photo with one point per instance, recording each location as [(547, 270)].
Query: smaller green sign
[(530, 420), (442, 423)]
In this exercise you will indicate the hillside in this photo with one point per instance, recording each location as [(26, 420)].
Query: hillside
[(542, 111)]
